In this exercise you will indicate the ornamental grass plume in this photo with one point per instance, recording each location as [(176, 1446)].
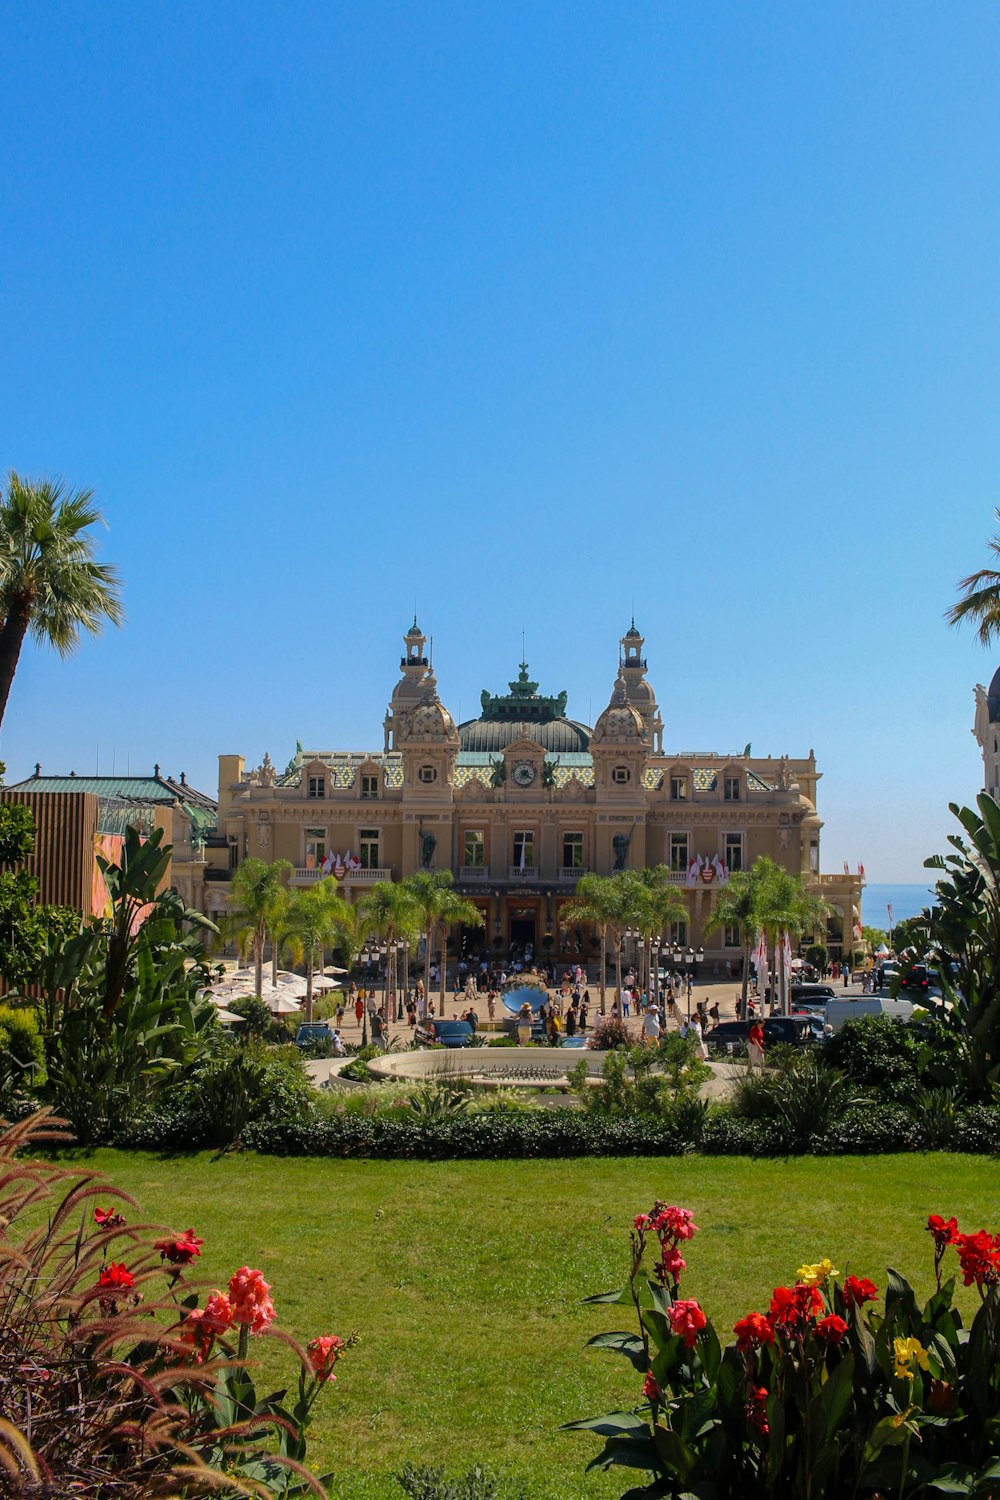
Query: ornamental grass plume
[(113, 1382)]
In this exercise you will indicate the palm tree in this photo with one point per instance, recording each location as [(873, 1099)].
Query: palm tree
[(50, 585), (455, 912), (314, 918), (612, 903), (390, 911), (257, 892), (786, 907), (981, 598), (276, 925), (662, 905), (738, 905), (430, 890)]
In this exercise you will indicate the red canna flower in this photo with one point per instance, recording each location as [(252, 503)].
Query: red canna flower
[(792, 1307), (979, 1257), (116, 1275), (108, 1218), (673, 1263), (182, 1250), (641, 1222), (323, 1355), (248, 1292), (651, 1388), (756, 1409), (945, 1231), (858, 1290), (753, 1331), (687, 1320), (831, 1329)]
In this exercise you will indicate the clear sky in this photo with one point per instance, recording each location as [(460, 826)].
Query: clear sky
[(523, 315)]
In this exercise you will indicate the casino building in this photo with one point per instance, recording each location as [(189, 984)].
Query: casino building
[(520, 802)]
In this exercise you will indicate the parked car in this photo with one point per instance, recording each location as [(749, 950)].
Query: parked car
[(799, 1031), (802, 995), (311, 1032), (444, 1033), (840, 1011), (921, 980)]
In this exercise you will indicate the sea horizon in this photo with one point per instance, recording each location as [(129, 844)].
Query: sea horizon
[(907, 900)]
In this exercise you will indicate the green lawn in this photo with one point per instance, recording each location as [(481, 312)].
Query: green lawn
[(464, 1279)]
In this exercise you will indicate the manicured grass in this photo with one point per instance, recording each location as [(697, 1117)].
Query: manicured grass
[(464, 1279)]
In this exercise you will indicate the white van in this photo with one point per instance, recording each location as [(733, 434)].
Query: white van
[(839, 1011)]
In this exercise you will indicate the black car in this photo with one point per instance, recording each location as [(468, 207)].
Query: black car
[(802, 995), (445, 1033), (730, 1035)]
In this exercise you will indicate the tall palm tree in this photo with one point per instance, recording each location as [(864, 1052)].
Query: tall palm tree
[(612, 903), (981, 598), (786, 907), (661, 906), (256, 893), (50, 585), (738, 905), (391, 912), (313, 921), (430, 890), (275, 926), (455, 912)]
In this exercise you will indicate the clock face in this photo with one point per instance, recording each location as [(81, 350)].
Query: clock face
[(523, 773)]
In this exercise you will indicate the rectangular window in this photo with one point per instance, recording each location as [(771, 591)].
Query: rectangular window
[(475, 849), (572, 851), (369, 788), (730, 937), (368, 848), (524, 850), (427, 774), (678, 851), (317, 786), (315, 847), (678, 788), (734, 851), (621, 775), (731, 789), (679, 934)]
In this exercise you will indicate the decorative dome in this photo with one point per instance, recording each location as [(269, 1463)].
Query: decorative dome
[(430, 720), (562, 736), (620, 722), (523, 714)]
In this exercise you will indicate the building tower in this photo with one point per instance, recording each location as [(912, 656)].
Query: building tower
[(409, 690), (638, 691)]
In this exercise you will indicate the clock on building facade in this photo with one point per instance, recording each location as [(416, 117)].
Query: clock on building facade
[(523, 773)]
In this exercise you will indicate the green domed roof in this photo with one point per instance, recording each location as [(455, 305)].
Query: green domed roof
[(523, 714)]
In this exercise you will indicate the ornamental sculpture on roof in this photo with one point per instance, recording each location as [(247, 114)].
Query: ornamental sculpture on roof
[(523, 701)]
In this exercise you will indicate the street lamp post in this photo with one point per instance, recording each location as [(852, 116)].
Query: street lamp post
[(689, 962), (654, 974), (401, 948)]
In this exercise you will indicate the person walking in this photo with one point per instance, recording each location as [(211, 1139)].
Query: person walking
[(755, 1044), (651, 1027), (524, 1025), (584, 1009), (359, 1011)]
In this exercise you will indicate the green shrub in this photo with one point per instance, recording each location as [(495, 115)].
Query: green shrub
[(977, 1128), (22, 1055), (892, 1058), (256, 1016), (432, 1484)]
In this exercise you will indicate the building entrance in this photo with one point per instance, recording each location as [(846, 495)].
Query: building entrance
[(522, 932)]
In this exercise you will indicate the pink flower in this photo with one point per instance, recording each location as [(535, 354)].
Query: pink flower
[(641, 1222), (206, 1324), (673, 1223), (323, 1355), (182, 1250), (673, 1262), (248, 1292), (651, 1388), (687, 1320)]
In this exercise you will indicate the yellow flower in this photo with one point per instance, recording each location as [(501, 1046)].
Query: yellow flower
[(818, 1274), (906, 1351)]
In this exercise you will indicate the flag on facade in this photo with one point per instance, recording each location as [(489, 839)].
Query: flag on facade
[(847, 868), (888, 908), (524, 843), (861, 871)]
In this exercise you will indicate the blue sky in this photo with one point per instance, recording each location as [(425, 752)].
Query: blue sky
[(523, 315)]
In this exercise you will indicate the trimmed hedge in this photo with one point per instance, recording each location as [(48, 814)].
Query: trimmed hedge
[(510, 1136)]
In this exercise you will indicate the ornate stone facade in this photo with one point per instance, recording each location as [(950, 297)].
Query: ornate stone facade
[(522, 801)]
